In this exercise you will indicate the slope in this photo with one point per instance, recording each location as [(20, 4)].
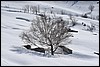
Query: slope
[(84, 43)]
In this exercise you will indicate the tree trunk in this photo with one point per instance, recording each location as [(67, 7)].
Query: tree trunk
[(38, 9), (52, 53), (36, 12)]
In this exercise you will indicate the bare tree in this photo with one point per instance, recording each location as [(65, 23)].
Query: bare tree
[(73, 20), (47, 31), (62, 12), (38, 8), (32, 9), (26, 8), (91, 28), (91, 7), (35, 9), (52, 10), (97, 17)]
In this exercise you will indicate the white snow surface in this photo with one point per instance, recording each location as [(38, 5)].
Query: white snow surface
[(84, 43)]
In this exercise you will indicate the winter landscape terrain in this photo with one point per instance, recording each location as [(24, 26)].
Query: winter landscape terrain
[(84, 43)]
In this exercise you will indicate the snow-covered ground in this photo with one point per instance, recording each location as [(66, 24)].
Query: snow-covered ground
[(84, 43)]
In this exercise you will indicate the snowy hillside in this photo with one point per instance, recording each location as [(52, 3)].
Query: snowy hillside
[(84, 43)]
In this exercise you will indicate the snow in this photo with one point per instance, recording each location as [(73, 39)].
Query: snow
[(84, 43)]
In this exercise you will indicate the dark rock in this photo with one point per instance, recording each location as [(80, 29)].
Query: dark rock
[(72, 30), (66, 50), (27, 46), (96, 53), (38, 49), (22, 19)]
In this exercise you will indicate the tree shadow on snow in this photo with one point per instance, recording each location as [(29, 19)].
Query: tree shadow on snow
[(83, 56), (22, 50)]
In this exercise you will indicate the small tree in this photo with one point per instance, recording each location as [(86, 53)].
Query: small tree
[(97, 17), (35, 9), (26, 8), (47, 31), (51, 10), (38, 9), (32, 9), (91, 7), (91, 28), (73, 20), (62, 12)]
